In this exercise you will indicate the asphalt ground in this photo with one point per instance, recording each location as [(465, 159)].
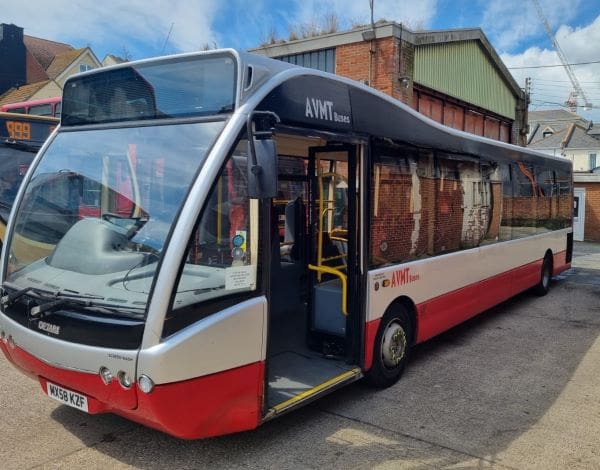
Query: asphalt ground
[(516, 387)]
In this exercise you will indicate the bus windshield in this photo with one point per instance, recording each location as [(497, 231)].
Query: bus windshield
[(99, 206)]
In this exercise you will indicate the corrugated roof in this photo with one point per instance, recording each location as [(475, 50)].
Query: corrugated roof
[(23, 93), (62, 61), (442, 67)]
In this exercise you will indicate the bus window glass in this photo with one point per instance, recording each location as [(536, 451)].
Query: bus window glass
[(181, 88), (507, 202), (547, 206), (41, 110), (564, 185), (13, 166), (525, 200), (103, 202), (491, 196), (451, 176), (222, 255), (395, 200)]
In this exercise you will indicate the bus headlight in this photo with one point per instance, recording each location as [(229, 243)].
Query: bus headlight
[(146, 384), (11, 342), (3, 336), (124, 379), (106, 375)]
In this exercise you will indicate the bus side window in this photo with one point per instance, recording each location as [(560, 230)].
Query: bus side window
[(222, 254)]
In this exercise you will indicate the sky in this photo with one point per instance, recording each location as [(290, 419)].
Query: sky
[(138, 29)]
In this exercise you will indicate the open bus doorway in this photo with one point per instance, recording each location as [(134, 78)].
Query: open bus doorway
[(313, 329)]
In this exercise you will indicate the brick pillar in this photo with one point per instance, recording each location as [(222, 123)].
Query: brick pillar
[(405, 72), (385, 57)]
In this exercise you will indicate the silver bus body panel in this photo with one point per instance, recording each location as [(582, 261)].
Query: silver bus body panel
[(231, 338), (66, 355)]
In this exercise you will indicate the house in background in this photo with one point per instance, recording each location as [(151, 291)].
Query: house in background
[(111, 59), (565, 134), (453, 76), (34, 68)]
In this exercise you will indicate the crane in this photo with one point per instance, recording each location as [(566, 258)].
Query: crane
[(577, 90)]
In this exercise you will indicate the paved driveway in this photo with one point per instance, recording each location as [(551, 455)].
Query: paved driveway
[(517, 387)]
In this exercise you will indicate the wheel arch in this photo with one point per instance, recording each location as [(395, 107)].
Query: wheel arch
[(550, 256)]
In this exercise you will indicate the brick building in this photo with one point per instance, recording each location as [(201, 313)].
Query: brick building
[(453, 76), (586, 225)]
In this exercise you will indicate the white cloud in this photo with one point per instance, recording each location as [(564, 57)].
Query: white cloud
[(511, 22), (551, 86), (416, 14), (113, 24)]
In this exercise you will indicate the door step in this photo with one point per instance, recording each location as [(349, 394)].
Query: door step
[(311, 394)]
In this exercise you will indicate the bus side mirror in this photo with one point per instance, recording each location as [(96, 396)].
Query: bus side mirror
[(262, 169), (262, 155)]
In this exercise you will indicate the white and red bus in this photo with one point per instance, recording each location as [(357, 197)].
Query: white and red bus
[(213, 239), (50, 107)]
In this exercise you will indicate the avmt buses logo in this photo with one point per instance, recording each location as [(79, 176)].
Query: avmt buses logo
[(323, 109), (403, 276)]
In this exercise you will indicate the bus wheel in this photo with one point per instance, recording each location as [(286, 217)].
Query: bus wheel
[(543, 286), (392, 348)]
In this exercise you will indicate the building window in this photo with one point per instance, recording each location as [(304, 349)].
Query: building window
[(85, 67), (592, 161), (548, 131), (323, 60)]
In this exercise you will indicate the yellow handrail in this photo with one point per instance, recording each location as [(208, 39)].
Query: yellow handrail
[(341, 275)]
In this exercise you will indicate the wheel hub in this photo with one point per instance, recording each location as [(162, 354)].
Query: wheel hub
[(393, 347)]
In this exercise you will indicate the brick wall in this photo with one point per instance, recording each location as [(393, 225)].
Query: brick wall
[(392, 71), (352, 61), (592, 211)]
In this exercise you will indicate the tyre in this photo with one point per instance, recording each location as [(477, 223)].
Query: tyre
[(543, 286), (392, 348)]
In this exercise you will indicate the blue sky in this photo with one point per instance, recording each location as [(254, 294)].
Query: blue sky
[(146, 28)]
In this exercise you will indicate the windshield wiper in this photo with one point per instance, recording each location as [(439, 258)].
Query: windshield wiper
[(8, 299), (80, 301), (55, 300)]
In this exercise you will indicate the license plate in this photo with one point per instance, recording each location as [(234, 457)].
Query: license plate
[(67, 397)]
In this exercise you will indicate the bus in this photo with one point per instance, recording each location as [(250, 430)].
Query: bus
[(40, 107), (21, 137), (222, 238)]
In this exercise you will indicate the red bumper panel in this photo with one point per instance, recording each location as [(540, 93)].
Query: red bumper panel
[(212, 405), (101, 397)]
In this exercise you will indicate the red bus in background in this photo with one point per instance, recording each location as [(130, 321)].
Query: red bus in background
[(42, 107)]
